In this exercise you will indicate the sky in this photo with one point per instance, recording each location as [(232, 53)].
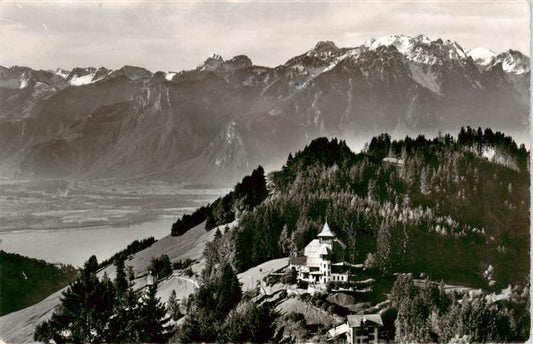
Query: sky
[(173, 36)]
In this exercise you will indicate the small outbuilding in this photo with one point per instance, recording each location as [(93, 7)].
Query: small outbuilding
[(359, 328)]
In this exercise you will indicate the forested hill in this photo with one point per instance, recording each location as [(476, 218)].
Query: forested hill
[(454, 208), (451, 210), (25, 281)]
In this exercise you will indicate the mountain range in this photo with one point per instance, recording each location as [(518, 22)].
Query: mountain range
[(218, 121)]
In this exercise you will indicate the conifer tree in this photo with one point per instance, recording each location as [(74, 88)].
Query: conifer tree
[(383, 248), (425, 185), (121, 283), (153, 321), (229, 291), (173, 306), (86, 307)]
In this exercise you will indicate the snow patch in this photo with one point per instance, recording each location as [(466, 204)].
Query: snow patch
[(420, 48), (170, 75), (96, 80), (510, 65), (62, 73), (82, 80), (401, 42), (482, 56), (426, 79), (25, 80)]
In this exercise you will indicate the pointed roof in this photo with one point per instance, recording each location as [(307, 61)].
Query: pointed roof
[(326, 232)]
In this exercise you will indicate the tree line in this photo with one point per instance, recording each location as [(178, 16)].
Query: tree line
[(251, 191), (406, 217)]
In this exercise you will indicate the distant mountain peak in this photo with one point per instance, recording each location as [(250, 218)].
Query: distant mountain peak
[(211, 63), (62, 72), (323, 46), (512, 61), (481, 56), (80, 76), (420, 49), (398, 83), (82, 70), (216, 57), (158, 78), (215, 63), (401, 42), (134, 72), (240, 61)]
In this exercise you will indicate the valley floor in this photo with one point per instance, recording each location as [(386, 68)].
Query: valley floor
[(57, 204)]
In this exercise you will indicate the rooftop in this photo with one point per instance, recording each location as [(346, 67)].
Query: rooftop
[(298, 260), (326, 232), (339, 330), (360, 320)]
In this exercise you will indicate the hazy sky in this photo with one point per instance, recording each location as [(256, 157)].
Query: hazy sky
[(180, 35)]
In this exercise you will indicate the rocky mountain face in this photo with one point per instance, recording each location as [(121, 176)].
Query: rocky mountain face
[(224, 117)]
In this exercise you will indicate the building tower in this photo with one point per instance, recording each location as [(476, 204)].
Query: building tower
[(322, 260), (326, 236)]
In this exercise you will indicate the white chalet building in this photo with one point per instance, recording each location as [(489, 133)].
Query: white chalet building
[(322, 260)]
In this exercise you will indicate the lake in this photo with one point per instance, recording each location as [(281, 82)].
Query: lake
[(75, 246), (68, 221)]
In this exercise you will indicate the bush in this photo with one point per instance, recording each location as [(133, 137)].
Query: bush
[(161, 266), (132, 248), (291, 277), (303, 284), (182, 264), (249, 322), (189, 272)]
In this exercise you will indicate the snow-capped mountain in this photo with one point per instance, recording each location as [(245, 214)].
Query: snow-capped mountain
[(513, 62), (482, 56), (421, 49), (24, 77), (81, 76), (90, 75), (216, 64), (226, 116), (62, 73)]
